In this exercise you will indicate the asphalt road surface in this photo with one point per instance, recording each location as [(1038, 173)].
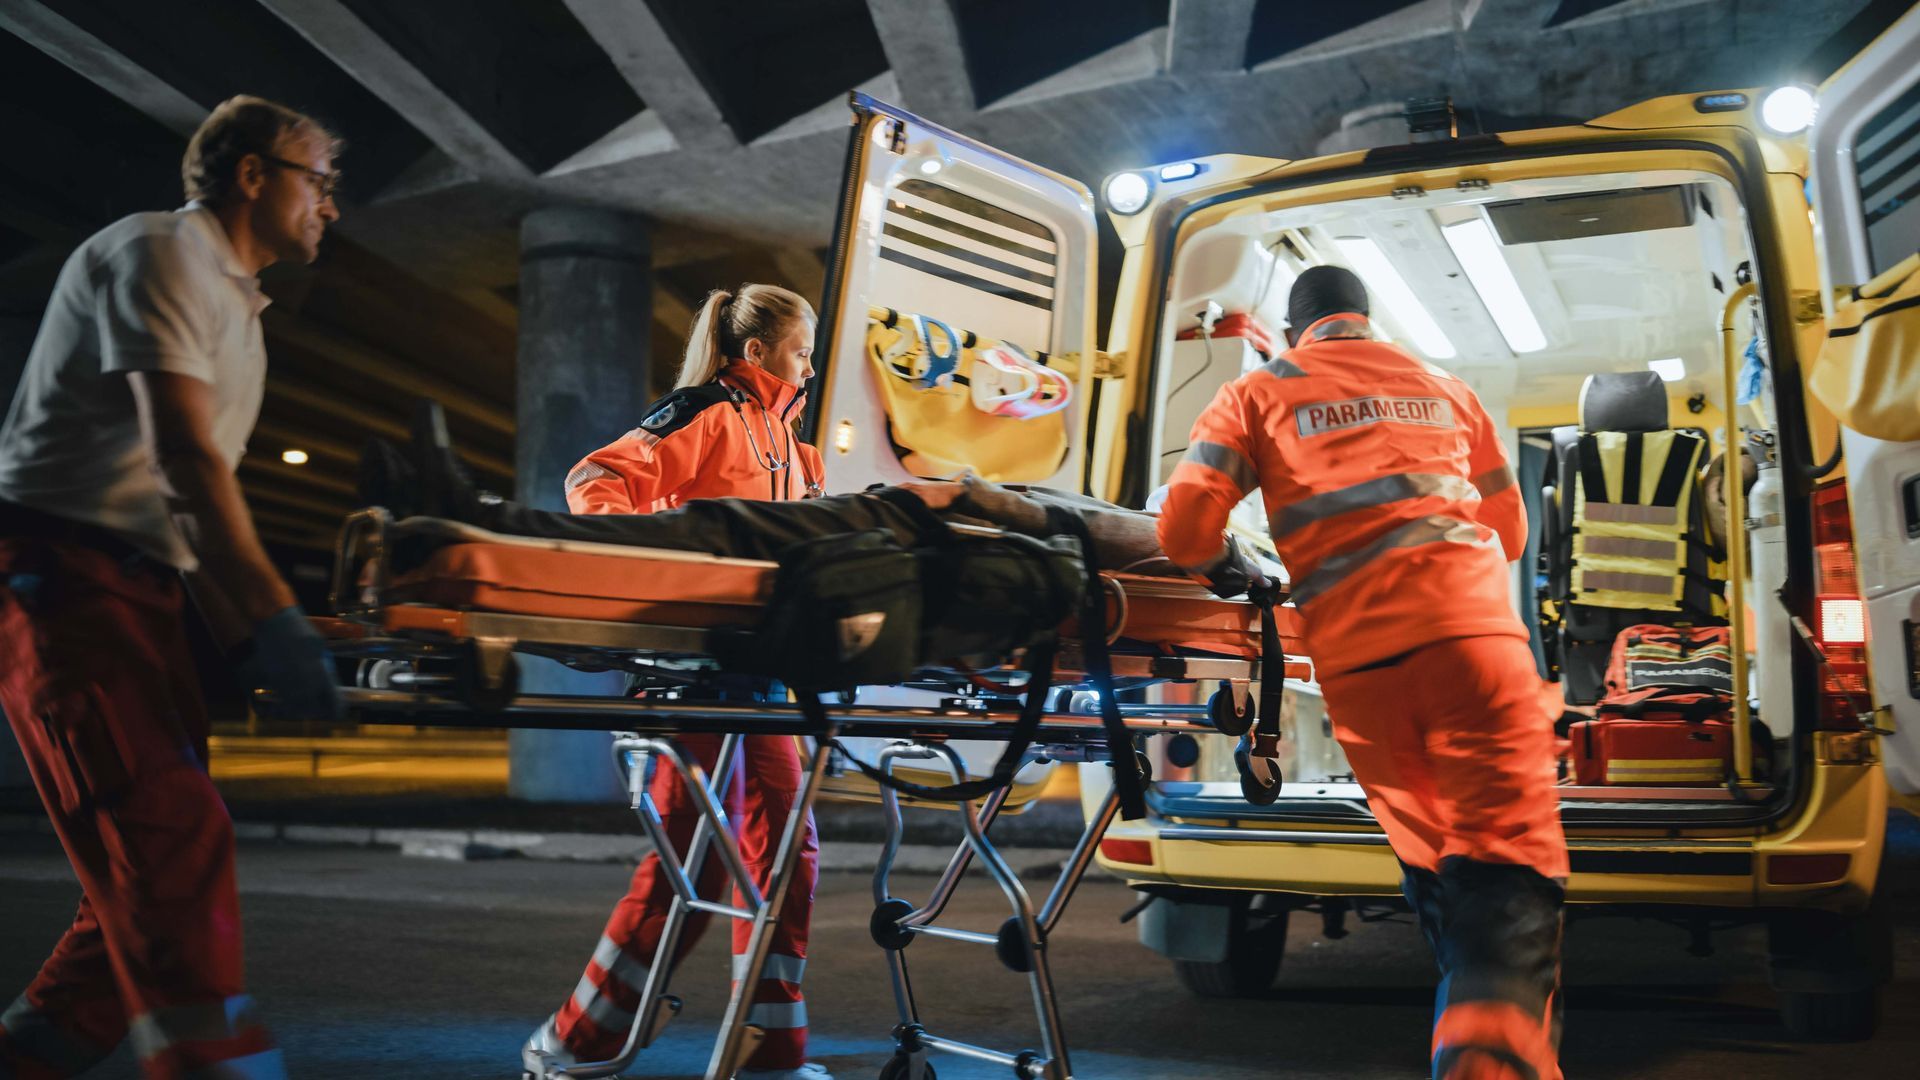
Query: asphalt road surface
[(373, 965)]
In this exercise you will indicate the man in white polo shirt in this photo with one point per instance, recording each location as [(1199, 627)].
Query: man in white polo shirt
[(116, 487)]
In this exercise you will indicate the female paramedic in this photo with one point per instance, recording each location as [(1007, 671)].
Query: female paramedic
[(724, 431)]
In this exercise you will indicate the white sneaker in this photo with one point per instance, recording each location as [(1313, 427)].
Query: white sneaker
[(545, 1050), (809, 1071)]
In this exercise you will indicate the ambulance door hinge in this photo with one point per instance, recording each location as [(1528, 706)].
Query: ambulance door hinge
[(1106, 365), (1411, 191), (1844, 748), (896, 135)]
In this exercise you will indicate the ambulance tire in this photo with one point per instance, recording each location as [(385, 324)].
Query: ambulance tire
[(1255, 947), (1853, 954), (1838, 1016)]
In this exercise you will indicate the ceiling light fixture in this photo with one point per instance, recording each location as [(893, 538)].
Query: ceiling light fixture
[(1672, 369), (1390, 290), (294, 457), (1474, 244)]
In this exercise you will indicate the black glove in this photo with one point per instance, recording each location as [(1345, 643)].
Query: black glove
[(288, 658), (1233, 573)]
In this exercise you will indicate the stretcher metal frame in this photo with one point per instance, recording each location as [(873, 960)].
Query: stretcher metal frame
[(481, 691)]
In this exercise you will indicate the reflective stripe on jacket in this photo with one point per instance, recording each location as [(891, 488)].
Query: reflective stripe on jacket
[(696, 444), (1387, 489)]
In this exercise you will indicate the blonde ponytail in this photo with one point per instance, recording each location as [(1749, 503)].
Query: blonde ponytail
[(728, 320)]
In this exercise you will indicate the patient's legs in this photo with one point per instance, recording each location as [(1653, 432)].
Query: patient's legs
[(743, 528)]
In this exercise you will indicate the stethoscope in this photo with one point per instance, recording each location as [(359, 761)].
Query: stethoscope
[(767, 457)]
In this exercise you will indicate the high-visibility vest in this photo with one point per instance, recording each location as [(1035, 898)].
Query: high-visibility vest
[(1636, 543)]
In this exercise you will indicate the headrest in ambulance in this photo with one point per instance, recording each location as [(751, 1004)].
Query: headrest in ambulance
[(1623, 401)]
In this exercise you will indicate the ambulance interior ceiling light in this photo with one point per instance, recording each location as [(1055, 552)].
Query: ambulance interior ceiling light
[(1391, 291), (930, 166), (1672, 369), (1127, 192), (1474, 244)]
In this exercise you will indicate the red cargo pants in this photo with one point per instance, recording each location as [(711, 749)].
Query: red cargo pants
[(101, 694), (1456, 755), (759, 801)]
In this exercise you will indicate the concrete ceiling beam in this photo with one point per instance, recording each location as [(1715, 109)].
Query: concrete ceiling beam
[(658, 71), (296, 523), (336, 31), (281, 497), (1208, 36), (922, 43), (804, 271), (270, 468), (101, 64), (672, 313), (385, 370), (308, 397)]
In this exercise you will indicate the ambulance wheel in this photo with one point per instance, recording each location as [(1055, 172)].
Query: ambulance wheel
[(1227, 719), (1257, 791), (1838, 1016), (900, 1067), (1255, 947)]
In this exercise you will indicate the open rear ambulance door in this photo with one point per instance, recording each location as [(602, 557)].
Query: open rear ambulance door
[(1865, 149), (946, 248)]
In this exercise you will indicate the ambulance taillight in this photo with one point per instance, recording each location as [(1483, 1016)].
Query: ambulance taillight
[(1840, 623)]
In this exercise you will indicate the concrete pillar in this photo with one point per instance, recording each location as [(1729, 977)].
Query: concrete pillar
[(586, 312)]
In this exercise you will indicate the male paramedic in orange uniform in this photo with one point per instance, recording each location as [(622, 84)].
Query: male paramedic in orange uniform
[(1390, 500), (116, 479)]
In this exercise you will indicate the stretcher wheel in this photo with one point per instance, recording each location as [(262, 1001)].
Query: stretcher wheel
[(1225, 717), (484, 687), (1011, 947), (901, 1067), (885, 925), (1259, 777)]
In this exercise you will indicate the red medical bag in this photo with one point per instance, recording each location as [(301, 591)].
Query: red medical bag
[(1658, 735), (1649, 655), (1238, 325)]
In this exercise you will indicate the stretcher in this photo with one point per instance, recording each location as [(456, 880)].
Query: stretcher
[(435, 614)]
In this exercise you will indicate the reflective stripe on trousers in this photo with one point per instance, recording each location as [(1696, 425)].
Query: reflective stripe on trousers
[(1334, 569), (158, 1031)]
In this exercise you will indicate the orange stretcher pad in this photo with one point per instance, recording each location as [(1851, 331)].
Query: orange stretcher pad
[(603, 583)]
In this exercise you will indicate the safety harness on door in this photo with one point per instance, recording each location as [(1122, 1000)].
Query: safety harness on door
[(1635, 544)]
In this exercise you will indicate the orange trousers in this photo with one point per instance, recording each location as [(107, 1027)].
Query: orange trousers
[(101, 693), (759, 800), (1455, 752)]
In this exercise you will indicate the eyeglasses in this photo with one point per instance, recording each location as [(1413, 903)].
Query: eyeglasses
[(326, 183)]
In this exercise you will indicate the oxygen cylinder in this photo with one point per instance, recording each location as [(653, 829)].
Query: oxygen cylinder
[(1773, 634)]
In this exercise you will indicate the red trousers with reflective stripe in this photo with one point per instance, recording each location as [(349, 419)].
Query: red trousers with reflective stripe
[(101, 694), (1456, 754), (759, 801)]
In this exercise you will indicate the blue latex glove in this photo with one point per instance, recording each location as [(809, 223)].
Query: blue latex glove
[(288, 658), (1753, 373)]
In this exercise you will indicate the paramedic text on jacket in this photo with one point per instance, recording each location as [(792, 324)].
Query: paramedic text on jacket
[(724, 432), (1392, 504)]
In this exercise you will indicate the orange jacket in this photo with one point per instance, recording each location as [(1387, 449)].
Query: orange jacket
[(1387, 490), (732, 438)]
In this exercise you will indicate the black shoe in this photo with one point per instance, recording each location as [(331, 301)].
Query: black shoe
[(388, 480), (445, 488)]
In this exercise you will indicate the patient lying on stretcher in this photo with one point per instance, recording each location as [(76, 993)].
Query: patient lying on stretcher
[(425, 479)]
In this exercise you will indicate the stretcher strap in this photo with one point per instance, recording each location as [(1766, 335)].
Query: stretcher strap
[(1127, 784), (1040, 656), (1272, 674)]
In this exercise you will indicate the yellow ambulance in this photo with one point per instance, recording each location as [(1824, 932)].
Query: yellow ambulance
[(1691, 252)]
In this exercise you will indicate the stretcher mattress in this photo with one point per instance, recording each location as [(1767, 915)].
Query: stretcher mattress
[(568, 580)]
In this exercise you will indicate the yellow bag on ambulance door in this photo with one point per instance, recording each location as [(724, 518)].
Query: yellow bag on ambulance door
[(1868, 372)]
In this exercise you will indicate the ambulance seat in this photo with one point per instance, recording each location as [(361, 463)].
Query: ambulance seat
[(1590, 619)]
